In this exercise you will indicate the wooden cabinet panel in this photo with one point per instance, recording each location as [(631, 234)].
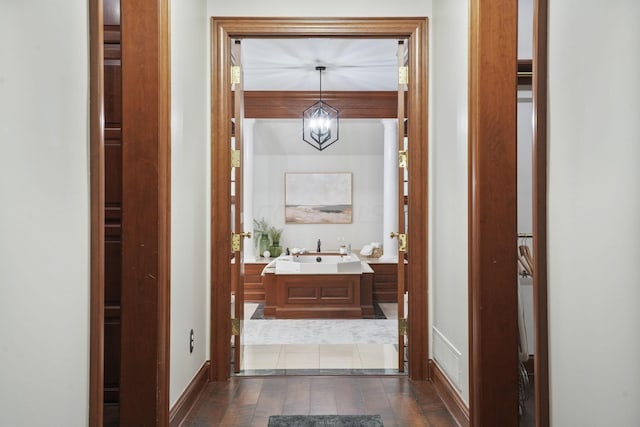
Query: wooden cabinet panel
[(112, 271), (385, 282), (112, 87), (111, 357), (253, 287), (113, 175), (311, 296)]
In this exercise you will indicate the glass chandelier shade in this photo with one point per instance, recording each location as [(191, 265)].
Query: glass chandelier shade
[(320, 122)]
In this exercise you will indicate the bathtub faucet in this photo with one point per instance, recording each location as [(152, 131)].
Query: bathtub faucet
[(319, 246)]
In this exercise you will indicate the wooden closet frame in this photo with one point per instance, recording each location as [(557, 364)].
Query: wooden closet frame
[(144, 386), (493, 213)]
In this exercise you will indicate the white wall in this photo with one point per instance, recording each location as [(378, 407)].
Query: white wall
[(271, 163), (325, 8), (449, 191), (44, 220), (525, 29), (594, 212), (525, 161), (189, 192)]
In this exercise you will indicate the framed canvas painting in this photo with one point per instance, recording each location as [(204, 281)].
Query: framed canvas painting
[(318, 198)]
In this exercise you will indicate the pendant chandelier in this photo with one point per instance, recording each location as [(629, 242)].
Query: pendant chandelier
[(320, 122)]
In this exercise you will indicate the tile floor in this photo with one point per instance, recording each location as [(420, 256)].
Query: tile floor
[(316, 347)]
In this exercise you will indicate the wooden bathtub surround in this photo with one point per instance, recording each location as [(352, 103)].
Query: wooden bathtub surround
[(306, 296), (326, 296), (383, 283)]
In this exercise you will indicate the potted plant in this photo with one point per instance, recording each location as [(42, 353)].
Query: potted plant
[(261, 235), (275, 234)]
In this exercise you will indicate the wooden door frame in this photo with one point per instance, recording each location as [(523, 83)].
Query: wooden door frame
[(541, 326), (96, 182), (493, 212), (223, 29), (493, 368), (146, 224)]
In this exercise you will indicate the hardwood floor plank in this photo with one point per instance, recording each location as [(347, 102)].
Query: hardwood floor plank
[(241, 409), (397, 385), (271, 399), (427, 396), (250, 401), (349, 399), (376, 400), (298, 396), (212, 404), (323, 400), (440, 418), (406, 411)]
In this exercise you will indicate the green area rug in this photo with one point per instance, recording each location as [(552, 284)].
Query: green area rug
[(325, 421)]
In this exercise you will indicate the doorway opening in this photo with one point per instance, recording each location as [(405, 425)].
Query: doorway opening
[(225, 34), (301, 199)]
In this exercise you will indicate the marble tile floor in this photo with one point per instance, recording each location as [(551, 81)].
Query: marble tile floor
[(320, 346)]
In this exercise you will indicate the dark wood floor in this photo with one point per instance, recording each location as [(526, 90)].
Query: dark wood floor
[(249, 401)]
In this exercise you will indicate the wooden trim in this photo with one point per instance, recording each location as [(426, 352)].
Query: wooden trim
[(541, 327), (447, 392), (400, 266), (237, 268), (413, 29), (189, 396), (418, 197), (97, 174), (242, 27), (164, 212), (144, 387), (289, 105), (221, 112), (493, 371)]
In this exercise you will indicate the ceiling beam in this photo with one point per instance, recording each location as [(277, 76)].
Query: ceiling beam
[(291, 104)]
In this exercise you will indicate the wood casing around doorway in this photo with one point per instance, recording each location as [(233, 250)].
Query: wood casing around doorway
[(493, 332), (144, 382), (540, 102), (223, 31), (96, 153)]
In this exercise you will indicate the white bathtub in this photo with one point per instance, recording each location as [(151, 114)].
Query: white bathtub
[(319, 264)]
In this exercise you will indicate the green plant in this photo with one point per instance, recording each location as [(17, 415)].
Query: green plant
[(260, 228), (275, 234)]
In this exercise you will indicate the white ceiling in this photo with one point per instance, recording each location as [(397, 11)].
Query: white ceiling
[(289, 64)]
